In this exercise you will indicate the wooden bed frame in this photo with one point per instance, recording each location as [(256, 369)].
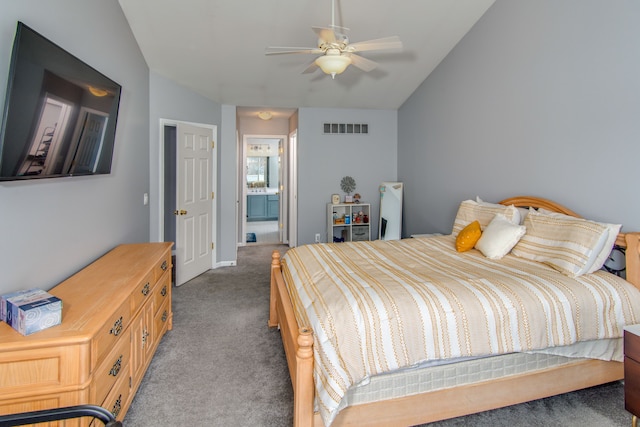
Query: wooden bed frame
[(446, 403)]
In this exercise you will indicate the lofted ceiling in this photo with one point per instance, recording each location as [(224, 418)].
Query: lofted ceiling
[(217, 47)]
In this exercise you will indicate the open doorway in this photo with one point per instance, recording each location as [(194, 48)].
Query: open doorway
[(270, 134), (262, 189)]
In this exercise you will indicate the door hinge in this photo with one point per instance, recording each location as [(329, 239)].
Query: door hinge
[(213, 144), (213, 245), (213, 195)]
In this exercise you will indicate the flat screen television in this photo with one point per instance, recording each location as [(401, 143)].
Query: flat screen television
[(59, 115)]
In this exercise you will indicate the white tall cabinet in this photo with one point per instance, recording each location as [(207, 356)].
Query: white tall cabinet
[(348, 222)]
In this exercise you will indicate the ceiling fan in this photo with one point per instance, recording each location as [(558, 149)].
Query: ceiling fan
[(336, 53)]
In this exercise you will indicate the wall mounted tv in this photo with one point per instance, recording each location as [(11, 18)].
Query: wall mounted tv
[(59, 114)]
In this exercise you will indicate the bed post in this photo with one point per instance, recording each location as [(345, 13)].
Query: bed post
[(298, 346), (303, 388), (275, 268), (632, 257)]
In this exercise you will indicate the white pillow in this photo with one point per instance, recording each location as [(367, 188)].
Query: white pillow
[(482, 202), (523, 214), (499, 237), (470, 210), (523, 211)]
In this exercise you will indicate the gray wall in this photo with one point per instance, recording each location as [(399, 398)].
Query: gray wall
[(324, 159), (170, 101), (52, 228), (227, 187), (539, 98)]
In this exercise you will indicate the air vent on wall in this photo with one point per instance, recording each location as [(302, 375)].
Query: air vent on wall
[(348, 128)]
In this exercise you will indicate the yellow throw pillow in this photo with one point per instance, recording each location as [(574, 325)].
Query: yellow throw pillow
[(468, 237)]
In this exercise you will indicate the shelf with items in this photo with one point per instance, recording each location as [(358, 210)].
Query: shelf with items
[(347, 222)]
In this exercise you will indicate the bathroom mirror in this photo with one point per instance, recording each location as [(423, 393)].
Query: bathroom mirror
[(390, 211)]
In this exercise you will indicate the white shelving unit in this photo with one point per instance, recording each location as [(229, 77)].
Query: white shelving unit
[(348, 222)]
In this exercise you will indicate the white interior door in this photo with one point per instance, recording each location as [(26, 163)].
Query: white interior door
[(194, 201)]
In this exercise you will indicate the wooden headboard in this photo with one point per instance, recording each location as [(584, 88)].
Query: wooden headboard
[(630, 241)]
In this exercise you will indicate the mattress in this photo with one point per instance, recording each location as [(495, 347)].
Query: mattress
[(432, 377)]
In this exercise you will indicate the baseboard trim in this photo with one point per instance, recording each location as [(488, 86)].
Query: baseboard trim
[(225, 264)]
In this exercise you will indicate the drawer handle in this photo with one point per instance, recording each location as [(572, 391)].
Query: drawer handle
[(117, 407), (163, 292), (164, 265), (164, 316), (115, 369), (117, 327), (145, 335), (146, 289)]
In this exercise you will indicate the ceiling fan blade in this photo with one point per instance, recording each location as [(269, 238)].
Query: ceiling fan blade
[(387, 43), (279, 50), (363, 63), (328, 35), (311, 67)]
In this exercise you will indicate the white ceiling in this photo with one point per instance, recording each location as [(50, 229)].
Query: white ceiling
[(216, 47)]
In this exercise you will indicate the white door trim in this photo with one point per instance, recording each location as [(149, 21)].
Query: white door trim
[(292, 188)]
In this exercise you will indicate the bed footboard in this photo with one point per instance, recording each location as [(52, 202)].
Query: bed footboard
[(298, 345)]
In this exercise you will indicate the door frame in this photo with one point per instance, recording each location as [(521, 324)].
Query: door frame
[(242, 182), (291, 178), (161, 187)]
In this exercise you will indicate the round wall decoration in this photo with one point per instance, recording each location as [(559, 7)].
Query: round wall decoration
[(348, 184)]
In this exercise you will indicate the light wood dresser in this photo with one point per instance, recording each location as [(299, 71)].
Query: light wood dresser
[(115, 311)]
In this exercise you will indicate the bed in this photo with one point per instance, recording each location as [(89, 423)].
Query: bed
[(390, 381)]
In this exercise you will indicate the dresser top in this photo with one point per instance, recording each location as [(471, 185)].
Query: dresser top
[(107, 282)]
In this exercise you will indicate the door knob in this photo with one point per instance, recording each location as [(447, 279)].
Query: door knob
[(180, 212)]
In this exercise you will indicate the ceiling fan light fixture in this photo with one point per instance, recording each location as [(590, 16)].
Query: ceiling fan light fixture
[(333, 63), (265, 115)]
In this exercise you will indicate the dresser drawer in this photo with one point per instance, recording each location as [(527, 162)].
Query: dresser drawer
[(112, 330), (118, 398), (114, 366), (43, 369), (142, 292), (632, 386), (163, 265), (161, 319), (46, 401), (162, 292), (632, 346)]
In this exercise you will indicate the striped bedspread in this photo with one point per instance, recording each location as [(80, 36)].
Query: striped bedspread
[(378, 306)]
